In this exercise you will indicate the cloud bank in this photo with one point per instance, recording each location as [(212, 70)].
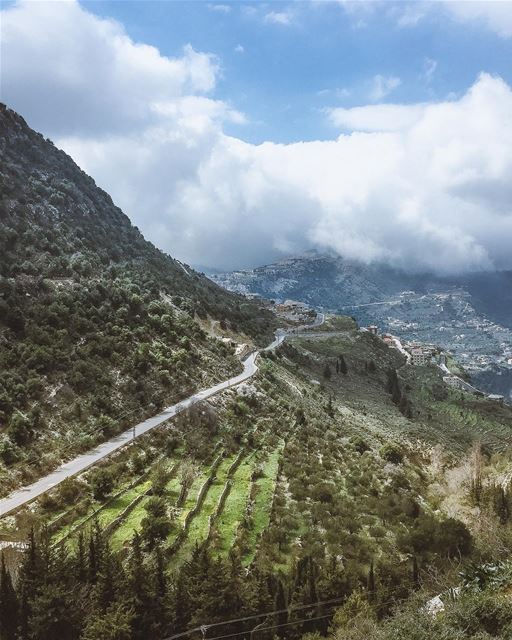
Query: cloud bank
[(422, 186)]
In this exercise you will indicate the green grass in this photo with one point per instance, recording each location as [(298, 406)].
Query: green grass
[(117, 506), (133, 521), (234, 508), (198, 529), (124, 533), (264, 487)]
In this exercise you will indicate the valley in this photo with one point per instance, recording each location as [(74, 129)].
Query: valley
[(451, 313), (179, 459)]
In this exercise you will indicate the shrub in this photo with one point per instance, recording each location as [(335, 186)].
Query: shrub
[(101, 483), (392, 453), (70, 490), (360, 444)]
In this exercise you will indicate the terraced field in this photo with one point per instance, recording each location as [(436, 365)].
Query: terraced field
[(235, 506), (261, 503), (105, 513), (198, 526)]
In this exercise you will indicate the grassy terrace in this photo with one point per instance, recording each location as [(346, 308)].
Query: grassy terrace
[(263, 491), (124, 532), (130, 524), (190, 500), (102, 511), (198, 529), (234, 508)]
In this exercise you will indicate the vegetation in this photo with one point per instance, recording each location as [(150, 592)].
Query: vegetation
[(339, 489), (98, 328), (318, 490)]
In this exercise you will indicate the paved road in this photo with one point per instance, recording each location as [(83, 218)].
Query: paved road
[(81, 463)]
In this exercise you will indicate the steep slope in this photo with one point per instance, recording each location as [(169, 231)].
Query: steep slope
[(306, 485), (98, 328)]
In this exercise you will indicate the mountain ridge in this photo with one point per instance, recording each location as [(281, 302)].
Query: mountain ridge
[(97, 326)]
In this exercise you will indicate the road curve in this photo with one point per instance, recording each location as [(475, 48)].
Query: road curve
[(82, 462)]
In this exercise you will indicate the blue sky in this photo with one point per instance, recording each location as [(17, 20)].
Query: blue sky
[(324, 56), (236, 134)]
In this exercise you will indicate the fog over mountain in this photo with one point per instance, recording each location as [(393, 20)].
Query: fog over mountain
[(423, 186)]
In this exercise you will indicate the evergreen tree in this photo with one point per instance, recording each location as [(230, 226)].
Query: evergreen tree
[(9, 606), (139, 591), (415, 573), (30, 580), (501, 504), (370, 584), (54, 614), (281, 604), (80, 561), (114, 624), (109, 575)]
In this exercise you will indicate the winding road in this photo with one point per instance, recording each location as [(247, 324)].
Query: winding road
[(82, 462)]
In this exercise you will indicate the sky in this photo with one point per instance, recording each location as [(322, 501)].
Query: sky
[(237, 133)]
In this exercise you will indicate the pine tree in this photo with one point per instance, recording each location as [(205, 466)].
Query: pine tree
[(30, 580), (159, 587), (415, 573), (343, 365), (106, 582), (140, 591), (370, 584), (92, 560), (281, 604), (9, 606), (501, 504), (80, 562)]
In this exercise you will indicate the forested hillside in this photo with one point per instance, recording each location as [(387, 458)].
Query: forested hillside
[(97, 327), (339, 490)]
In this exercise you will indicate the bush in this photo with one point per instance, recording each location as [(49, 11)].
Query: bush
[(8, 450), (101, 483), (392, 453), (359, 444), (70, 490)]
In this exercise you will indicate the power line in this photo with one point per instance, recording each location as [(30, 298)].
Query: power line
[(258, 615), (267, 614), (276, 626)]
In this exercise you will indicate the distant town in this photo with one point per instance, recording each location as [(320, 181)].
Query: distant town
[(420, 353)]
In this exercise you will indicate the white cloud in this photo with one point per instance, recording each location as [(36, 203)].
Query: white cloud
[(239, 49), (278, 17), (382, 86), (378, 117), (422, 186), (70, 71), (220, 8), (429, 68), (494, 14), (411, 13)]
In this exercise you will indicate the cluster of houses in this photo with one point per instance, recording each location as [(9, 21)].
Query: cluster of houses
[(458, 383), (295, 311), (417, 353), (423, 354)]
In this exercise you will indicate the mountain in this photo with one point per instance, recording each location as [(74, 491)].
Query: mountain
[(97, 326), (336, 486), (469, 315), (332, 282)]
